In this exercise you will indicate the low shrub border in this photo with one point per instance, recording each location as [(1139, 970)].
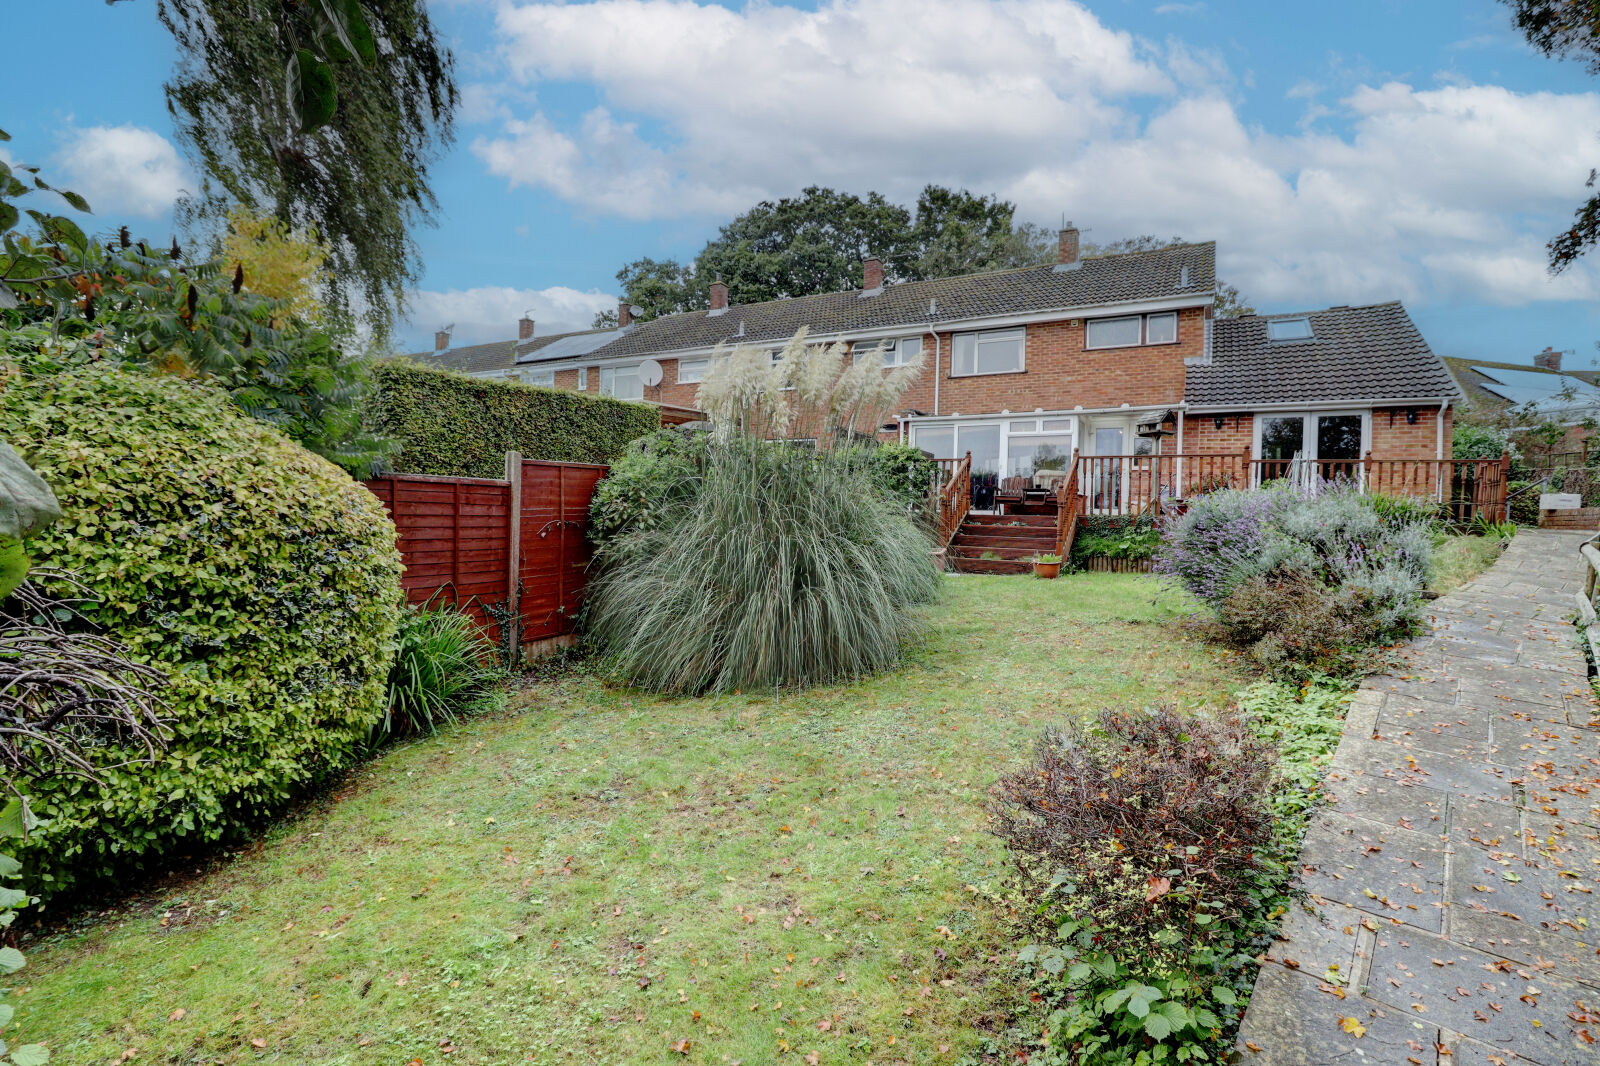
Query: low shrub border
[(451, 425)]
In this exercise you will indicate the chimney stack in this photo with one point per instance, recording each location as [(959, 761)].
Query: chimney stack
[(872, 274), (624, 313), (524, 328), (1549, 359), (441, 340), (719, 295), (1067, 247)]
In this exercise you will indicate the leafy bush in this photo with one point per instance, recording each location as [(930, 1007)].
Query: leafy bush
[(1116, 536), (260, 578), (1304, 581), (1470, 440), (450, 424), (443, 660), (901, 473), (1146, 846), (654, 473), (1397, 511), (787, 568)]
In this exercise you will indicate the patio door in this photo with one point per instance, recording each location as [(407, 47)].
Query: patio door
[(983, 440), (1328, 446)]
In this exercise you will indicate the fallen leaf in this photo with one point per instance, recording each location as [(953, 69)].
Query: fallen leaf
[(681, 1047), (1353, 1027), (1155, 888), (177, 1015)]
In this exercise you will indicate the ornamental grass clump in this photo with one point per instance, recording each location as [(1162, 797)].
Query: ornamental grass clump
[(773, 562)]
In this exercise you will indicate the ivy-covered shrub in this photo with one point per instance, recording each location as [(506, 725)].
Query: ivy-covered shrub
[(260, 578), (456, 426), (1303, 581), (1147, 858), (903, 473)]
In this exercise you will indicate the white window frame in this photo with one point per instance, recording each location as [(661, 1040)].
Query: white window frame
[(1308, 432), (608, 381), (1144, 330), (702, 367), (583, 379), (544, 379), (978, 338), (897, 351)]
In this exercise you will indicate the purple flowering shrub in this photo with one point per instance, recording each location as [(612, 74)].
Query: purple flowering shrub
[(1303, 581)]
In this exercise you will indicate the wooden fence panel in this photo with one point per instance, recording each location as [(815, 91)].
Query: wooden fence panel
[(456, 538)]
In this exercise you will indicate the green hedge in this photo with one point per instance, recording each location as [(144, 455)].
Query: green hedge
[(454, 425), (259, 577)]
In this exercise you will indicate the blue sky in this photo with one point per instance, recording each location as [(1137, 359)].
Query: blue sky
[(1338, 153)]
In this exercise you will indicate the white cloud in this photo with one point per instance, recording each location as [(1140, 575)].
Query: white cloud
[(122, 170), (490, 313), (1430, 194)]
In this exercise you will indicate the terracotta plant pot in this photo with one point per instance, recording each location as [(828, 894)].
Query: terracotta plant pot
[(1046, 570)]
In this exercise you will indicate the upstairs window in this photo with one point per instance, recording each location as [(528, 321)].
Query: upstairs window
[(900, 351), (1289, 329), (998, 352), (1132, 331), (621, 383), (692, 371)]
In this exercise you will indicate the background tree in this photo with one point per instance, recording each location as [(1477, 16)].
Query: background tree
[(816, 242), (325, 114), (287, 265), (1566, 29)]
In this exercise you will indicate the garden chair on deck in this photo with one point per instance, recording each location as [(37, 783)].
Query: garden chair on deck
[(1013, 490)]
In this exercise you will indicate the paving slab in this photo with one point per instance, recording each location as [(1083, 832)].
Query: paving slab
[(1455, 872)]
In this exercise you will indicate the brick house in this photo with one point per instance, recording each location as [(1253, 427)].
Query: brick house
[(1114, 355), (1544, 392)]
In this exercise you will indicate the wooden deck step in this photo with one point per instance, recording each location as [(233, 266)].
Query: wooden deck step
[(990, 566)]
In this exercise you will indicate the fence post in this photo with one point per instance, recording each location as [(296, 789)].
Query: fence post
[(1505, 486), (514, 562)]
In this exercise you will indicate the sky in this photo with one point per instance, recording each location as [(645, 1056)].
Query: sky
[(1339, 153)]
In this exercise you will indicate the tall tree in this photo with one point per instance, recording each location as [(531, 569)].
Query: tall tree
[(326, 114), (1566, 29)]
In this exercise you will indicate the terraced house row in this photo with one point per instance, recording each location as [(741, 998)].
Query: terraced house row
[(1120, 355)]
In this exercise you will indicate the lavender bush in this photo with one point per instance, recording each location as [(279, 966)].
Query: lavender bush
[(1304, 581)]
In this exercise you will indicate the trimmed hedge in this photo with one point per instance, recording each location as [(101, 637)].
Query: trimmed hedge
[(259, 577), (453, 425)]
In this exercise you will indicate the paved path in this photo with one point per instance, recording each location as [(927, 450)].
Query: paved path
[(1457, 870)]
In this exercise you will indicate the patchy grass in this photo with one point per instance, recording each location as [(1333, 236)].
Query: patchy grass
[(1458, 558), (597, 875)]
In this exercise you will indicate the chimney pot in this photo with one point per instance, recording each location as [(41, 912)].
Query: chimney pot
[(1549, 359), (441, 340), (624, 313), (1067, 246), (872, 273), (719, 295), (524, 328)]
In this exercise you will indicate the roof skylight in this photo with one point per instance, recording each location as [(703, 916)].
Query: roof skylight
[(1289, 329)]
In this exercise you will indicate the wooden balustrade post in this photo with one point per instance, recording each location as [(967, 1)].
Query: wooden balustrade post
[(514, 561), (1505, 486)]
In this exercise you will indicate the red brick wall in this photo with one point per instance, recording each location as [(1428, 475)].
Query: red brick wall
[(1395, 438), (1202, 437)]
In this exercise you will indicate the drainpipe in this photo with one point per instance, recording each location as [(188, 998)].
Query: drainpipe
[(936, 374), (1438, 430)]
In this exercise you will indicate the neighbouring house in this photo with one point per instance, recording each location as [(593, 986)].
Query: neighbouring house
[(1105, 355), (1542, 392)]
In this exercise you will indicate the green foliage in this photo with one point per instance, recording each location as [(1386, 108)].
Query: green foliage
[(16, 821), (1303, 723), (1116, 537), (1159, 832), (453, 425), (71, 301), (902, 473), (1474, 440), (655, 474), (442, 662), (371, 92), (257, 576), (786, 569), (1483, 525), (1399, 511)]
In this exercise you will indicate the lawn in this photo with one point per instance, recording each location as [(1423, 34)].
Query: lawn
[(594, 875), (1459, 558)]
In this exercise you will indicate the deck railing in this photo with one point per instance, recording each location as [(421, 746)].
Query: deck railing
[(1150, 484), (955, 497), (1067, 505)]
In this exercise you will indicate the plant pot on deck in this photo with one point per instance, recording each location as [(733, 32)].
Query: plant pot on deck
[(1046, 570)]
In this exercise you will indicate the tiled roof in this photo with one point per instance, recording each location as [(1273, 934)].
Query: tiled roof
[(1134, 277), (1355, 353), (473, 359)]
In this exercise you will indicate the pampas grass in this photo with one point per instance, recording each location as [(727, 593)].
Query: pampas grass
[(787, 569)]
